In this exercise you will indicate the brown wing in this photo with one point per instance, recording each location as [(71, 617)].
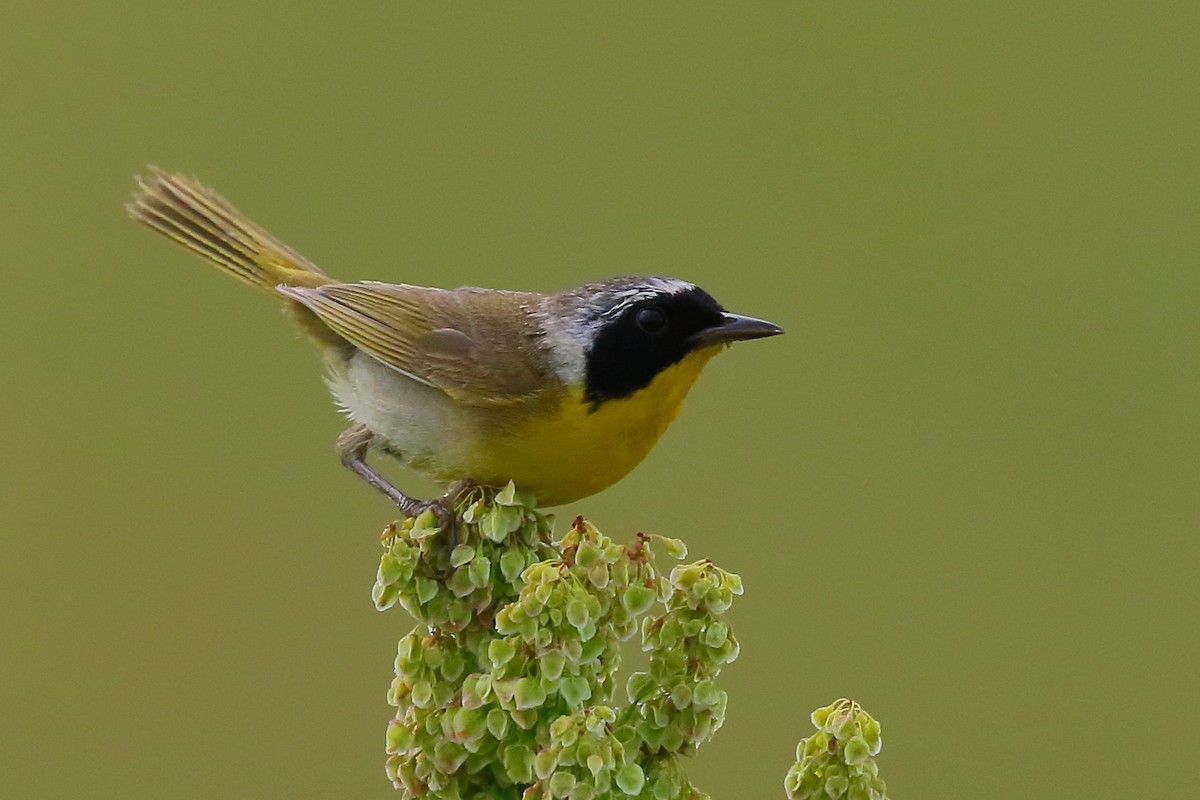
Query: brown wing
[(479, 346)]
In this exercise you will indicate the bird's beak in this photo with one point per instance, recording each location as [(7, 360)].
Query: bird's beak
[(735, 328)]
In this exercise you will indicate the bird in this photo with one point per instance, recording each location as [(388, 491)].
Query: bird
[(562, 394)]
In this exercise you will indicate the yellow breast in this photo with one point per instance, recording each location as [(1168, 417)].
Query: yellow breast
[(574, 450)]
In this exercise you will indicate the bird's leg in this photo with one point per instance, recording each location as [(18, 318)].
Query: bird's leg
[(352, 449)]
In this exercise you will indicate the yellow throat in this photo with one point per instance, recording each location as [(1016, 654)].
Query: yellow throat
[(580, 449)]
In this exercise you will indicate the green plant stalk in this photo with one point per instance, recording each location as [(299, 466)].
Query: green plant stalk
[(507, 688)]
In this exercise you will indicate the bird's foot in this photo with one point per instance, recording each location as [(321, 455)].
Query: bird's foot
[(443, 512), (443, 508)]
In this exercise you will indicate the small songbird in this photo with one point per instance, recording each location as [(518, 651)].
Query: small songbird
[(561, 393)]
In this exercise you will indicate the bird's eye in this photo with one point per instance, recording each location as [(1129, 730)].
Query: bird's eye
[(652, 320)]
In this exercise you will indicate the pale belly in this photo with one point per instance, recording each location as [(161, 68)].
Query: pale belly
[(558, 449)]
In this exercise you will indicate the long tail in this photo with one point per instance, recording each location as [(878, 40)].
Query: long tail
[(187, 212)]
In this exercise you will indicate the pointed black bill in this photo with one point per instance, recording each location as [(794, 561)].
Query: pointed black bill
[(735, 328)]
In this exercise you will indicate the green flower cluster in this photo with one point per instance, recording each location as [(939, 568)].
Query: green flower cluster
[(505, 689), (838, 761), (450, 588), (677, 705)]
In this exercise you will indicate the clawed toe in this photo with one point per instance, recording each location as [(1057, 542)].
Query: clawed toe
[(442, 509)]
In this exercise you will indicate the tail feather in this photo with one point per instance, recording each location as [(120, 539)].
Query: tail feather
[(191, 214)]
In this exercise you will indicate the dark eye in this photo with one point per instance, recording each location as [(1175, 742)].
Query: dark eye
[(652, 320)]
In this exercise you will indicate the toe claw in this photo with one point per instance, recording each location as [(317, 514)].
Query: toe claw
[(442, 511)]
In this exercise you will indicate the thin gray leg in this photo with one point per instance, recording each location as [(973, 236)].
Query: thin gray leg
[(352, 449)]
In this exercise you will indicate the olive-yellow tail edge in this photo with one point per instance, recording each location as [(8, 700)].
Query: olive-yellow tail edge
[(193, 215)]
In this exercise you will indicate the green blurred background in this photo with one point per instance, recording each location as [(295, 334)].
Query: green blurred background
[(963, 489)]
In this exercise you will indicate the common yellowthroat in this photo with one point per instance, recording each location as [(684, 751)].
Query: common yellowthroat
[(561, 393)]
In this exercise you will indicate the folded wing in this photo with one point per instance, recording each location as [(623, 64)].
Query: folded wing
[(481, 347)]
